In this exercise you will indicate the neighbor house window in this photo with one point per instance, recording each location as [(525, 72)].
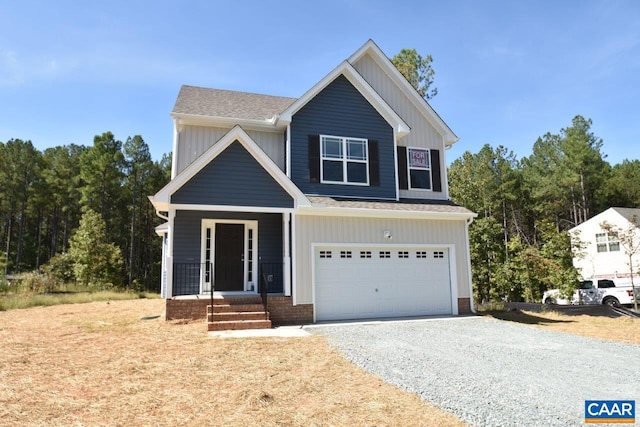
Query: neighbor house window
[(419, 168), (607, 242), (344, 160)]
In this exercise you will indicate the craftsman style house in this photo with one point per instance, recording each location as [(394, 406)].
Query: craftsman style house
[(336, 202)]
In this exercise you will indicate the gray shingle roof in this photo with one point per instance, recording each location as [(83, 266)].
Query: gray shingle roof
[(631, 214), (202, 101), (408, 205)]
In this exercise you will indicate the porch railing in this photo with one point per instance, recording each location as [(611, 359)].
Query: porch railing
[(188, 278), (273, 277)]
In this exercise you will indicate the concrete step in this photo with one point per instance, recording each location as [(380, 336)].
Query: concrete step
[(238, 325), (238, 315)]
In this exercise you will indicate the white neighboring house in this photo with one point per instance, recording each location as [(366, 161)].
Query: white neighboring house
[(604, 256)]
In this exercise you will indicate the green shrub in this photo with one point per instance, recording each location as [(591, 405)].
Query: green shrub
[(35, 282)]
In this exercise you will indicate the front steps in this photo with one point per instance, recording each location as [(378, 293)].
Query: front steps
[(234, 313)]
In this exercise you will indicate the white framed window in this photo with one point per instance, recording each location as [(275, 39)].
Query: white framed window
[(419, 168), (607, 243), (344, 160)]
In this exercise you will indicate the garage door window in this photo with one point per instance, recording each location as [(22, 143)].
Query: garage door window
[(345, 254), (325, 254), (438, 254), (385, 254), (421, 254), (365, 254)]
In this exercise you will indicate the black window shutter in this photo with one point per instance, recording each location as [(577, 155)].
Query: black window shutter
[(374, 164), (402, 168), (436, 173), (314, 158)]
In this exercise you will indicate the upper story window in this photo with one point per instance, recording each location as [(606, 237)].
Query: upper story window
[(419, 168), (344, 160), (607, 242)]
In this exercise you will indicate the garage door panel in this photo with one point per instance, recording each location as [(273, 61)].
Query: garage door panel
[(361, 282)]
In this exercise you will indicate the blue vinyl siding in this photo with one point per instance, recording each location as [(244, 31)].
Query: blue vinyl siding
[(341, 110), (188, 226), (233, 178)]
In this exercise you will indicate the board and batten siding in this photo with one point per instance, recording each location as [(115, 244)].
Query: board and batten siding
[(233, 178), (358, 230), (423, 133), (188, 232), (340, 110), (193, 141)]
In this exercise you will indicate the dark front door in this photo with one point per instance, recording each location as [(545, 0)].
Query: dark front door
[(229, 262)]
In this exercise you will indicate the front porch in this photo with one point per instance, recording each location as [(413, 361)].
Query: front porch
[(260, 308)]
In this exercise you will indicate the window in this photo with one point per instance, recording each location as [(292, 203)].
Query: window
[(345, 254), (421, 254), (419, 167), (385, 254), (403, 254), (365, 254), (344, 160), (438, 254), (607, 243), (325, 254)]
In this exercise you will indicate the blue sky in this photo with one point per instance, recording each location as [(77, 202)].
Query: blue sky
[(507, 72)]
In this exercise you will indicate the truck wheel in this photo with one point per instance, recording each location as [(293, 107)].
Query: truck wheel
[(611, 302), (549, 301)]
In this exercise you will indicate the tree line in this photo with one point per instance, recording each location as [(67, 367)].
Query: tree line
[(44, 195), (520, 245)]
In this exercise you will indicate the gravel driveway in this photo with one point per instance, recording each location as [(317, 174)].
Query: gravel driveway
[(490, 372)]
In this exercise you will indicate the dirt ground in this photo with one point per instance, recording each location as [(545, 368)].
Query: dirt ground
[(113, 364)]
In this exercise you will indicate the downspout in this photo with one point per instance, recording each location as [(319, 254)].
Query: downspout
[(466, 231)]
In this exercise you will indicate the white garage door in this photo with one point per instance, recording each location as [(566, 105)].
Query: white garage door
[(365, 282)]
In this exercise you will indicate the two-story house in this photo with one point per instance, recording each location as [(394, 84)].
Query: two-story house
[(600, 254), (340, 197)]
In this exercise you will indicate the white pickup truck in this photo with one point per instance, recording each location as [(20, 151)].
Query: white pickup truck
[(614, 292)]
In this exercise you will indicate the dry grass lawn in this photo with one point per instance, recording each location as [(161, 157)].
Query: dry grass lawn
[(101, 364), (621, 329)]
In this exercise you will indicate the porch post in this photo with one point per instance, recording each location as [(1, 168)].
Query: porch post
[(172, 215), (286, 259)]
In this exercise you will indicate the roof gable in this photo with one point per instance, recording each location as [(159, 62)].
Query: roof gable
[(351, 74), (162, 199), (371, 49), (627, 214)]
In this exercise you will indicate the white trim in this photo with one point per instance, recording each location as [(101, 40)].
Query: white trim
[(174, 153), (419, 102), (230, 208), (466, 239), (286, 257), (248, 224), (429, 169), (287, 151), (344, 160), (384, 213), (453, 279), (170, 232), (294, 278), (395, 163), (365, 89), (227, 122), (162, 199)]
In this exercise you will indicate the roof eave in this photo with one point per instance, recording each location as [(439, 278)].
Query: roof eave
[(384, 213), (216, 121)]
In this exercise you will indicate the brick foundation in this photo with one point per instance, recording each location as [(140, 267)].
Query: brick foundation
[(194, 309), (281, 310), (464, 305)]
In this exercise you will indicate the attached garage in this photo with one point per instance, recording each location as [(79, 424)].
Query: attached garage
[(360, 282)]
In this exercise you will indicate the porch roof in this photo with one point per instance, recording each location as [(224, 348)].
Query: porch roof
[(418, 206)]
